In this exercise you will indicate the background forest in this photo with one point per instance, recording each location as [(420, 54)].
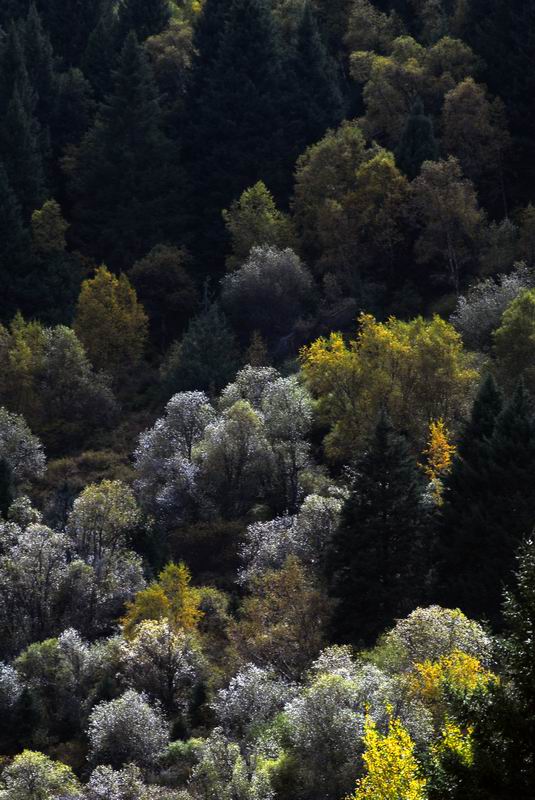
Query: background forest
[(267, 427)]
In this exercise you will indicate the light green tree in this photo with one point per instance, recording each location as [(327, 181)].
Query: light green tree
[(255, 220), (34, 776)]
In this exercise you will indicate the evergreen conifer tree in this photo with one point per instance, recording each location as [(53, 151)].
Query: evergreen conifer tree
[(121, 180), (40, 66), (100, 56), (207, 39), (70, 24), (376, 557), (489, 504), (21, 143), (207, 357), (14, 248), (501, 32), (504, 732), (144, 17), (236, 136), (15, 242), (316, 102), (418, 143)]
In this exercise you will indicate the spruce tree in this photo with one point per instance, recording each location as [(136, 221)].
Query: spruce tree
[(11, 10), (144, 17), (315, 100), (418, 143), (70, 24), (14, 248), (504, 730), (503, 32), (100, 56), (489, 505), (123, 173), (40, 65), (376, 555), (207, 358), (21, 143), (235, 138), (14, 71), (208, 34)]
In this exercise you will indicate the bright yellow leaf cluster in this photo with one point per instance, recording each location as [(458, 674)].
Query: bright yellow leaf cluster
[(170, 597), (392, 771), (457, 670), (438, 456), (453, 741), (418, 370)]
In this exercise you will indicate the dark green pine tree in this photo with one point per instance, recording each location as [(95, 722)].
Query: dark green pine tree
[(376, 559), (236, 134), (100, 56), (40, 65), (14, 71), (207, 38), (14, 247), (503, 718), (70, 23), (11, 10), (6, 487), (207, 357), (418, 143), (464, 490), (503, 32), (73, 112), (315, 98), (123, 175), (489, 507), (144, 17), (23, 145)]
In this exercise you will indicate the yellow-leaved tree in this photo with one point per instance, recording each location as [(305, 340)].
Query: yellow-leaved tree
[(438, 457), (459, 671), (111, 323), (392, 771), (415, 370), (171, 597)]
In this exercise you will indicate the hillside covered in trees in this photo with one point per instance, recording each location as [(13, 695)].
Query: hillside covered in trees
[(267, 400)]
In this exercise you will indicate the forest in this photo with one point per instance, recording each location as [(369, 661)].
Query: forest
[(267, 400)]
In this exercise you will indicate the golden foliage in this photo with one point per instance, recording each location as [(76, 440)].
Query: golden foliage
[(171, 597), (454, 742), (418, 370), (458, 670), (438, 456), (111, 323), (392, 771)]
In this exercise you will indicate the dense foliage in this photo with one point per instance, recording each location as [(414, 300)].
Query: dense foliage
[(267, 399)]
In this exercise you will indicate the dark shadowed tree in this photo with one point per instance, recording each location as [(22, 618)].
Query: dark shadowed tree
[(121, 180), (375, 564)]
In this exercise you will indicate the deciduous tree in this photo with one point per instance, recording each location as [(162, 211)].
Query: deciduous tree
[(111, 324)]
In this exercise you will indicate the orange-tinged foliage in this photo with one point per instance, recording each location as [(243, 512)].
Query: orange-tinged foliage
[(438, 456)]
